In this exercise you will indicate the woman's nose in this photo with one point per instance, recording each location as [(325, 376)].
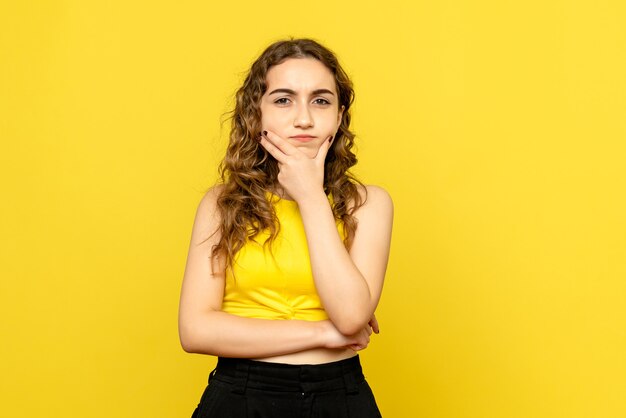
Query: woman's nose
[(303, 117)]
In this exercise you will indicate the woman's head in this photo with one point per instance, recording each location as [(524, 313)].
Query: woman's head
[(303, 66), (301, 99), (295, 87)]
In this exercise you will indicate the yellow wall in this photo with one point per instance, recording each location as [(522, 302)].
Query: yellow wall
[(498, 127)]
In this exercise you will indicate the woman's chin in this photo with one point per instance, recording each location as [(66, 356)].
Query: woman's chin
[(308, 148)]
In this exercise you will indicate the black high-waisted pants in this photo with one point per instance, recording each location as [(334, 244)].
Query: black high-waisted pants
[(241, 388)]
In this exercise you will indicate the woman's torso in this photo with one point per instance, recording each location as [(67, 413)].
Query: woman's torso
[(279, 285)]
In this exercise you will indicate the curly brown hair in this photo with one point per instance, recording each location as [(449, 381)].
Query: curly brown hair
[(248, 171)]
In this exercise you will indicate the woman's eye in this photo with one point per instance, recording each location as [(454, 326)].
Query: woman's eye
[(284, 100)]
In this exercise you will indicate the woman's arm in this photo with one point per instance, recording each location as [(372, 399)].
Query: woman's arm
[(348, 283), (203, 328)]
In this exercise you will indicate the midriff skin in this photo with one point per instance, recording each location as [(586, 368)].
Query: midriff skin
[(312, 356)]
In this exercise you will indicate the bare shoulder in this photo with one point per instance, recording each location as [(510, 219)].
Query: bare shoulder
[(377, 201), (209, 200), (207, 214)]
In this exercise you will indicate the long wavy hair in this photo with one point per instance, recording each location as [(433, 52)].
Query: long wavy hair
[(248, 171)]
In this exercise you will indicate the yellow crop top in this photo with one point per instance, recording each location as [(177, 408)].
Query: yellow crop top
[(279, 287)]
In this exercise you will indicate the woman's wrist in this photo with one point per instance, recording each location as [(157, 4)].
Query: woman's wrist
[(313, 199), (322, 333)]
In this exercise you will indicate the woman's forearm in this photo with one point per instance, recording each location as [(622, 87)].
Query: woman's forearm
[(341, 286), (222, 334)]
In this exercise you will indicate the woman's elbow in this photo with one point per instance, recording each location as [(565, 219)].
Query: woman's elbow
[(351, 324), (186, 342), (188, 336), (197, 334)]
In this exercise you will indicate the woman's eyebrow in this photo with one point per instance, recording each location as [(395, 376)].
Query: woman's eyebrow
[(289, 91)]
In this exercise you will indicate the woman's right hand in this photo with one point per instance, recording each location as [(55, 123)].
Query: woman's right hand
[(335, 339)]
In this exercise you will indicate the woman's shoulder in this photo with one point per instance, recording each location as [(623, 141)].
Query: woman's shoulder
[(207, 212), (374, 216), (209, 199), (373, 194), (375, 199)]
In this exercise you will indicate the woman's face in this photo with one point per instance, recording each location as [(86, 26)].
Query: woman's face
[(301, 99)]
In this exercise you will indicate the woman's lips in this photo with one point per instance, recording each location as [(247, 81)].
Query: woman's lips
[(303, 138)]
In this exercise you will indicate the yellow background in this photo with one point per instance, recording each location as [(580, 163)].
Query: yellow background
[(498, 128)]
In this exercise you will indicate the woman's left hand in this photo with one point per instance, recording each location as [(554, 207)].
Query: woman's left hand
[(299, 175), (374, 324)]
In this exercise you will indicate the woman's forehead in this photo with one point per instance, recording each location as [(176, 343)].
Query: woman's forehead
[(300, 75)]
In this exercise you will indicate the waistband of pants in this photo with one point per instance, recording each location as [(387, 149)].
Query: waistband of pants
[(246, 373)]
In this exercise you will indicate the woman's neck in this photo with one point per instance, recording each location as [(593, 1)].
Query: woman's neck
[(282, 193)]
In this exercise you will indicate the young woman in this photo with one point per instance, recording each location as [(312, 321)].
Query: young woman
[(288, 253)]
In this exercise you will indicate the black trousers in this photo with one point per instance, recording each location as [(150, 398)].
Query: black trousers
[(241, 388)]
